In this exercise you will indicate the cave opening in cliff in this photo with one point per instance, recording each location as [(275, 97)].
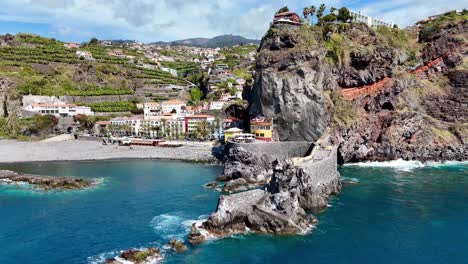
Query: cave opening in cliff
[(388, 106)]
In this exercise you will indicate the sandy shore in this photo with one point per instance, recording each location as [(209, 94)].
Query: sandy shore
[(15, 151)]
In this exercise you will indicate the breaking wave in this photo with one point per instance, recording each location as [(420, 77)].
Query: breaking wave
[(171, 225), (406, 166)]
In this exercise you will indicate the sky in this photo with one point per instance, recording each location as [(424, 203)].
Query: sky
[(155, 20)]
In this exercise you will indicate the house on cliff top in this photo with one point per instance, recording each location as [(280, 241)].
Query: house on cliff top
[(287, 18)]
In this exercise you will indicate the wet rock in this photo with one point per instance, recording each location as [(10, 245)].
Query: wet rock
[(150, 255), (244, 170), (177, 245), (212, 184), (45, 182)]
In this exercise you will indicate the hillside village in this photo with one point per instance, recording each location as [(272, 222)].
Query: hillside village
[(160, 91), (132, 89)]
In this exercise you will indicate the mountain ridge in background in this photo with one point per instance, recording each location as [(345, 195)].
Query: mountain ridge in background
[(215, 42)]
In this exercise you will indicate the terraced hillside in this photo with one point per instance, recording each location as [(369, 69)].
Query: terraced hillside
[(42, 66)]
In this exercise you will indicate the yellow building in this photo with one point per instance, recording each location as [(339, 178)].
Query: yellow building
[(231, 133), (262, 128)]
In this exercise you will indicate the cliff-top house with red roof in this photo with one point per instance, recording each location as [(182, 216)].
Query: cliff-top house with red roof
[(287, 18)]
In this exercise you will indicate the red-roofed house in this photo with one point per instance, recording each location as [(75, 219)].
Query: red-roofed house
[(289, 18)]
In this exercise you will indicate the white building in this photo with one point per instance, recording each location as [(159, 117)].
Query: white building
[(169, 70), (59, 110), (216, 105), (370, 21), (84, 54), (171, 105), (172, 126), (151, 109), (192, 122)]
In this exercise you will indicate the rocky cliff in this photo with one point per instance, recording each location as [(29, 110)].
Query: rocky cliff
[(9, 98), (411, 88), (281, 208)]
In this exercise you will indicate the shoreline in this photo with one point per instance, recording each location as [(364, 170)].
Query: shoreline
[(12, 151)]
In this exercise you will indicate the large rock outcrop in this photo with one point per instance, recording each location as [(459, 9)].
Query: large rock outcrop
[(244, 170), (9, 99), (302, 71), (280, 208)]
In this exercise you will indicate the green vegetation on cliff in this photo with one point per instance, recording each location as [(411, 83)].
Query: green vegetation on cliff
[(344, 113)]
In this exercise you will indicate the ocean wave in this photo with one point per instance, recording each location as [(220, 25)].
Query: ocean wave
[(401, 165), (405, 165), (168, 225), (174, 224)]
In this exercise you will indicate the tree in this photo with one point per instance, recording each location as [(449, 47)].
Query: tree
[(329, 18), (164, 126), (203, 130), (306, 12), (196, 94), (320, 12), (344, 15), (312, 10), (5, 106), (93, 41), (13, 126), (395, 26), (333, 10), (157, 129), (173, 111), (283, 9), (84, 121)]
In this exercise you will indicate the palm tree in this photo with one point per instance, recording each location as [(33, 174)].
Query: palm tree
[(320, 12), (312, 10), (203, 130), (158, 130), (164, 126), (306, 12)]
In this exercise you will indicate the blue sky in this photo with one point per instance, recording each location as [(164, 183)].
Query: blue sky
[(153, 20)]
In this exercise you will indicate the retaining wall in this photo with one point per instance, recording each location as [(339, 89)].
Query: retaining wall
[(324, 171), (281, 150)]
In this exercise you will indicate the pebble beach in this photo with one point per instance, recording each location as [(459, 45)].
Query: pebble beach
[(17, 151)]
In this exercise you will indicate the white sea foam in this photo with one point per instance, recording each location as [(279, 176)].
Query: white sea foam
[(169, 225), (403, 165), (101, 258), (172, 225)]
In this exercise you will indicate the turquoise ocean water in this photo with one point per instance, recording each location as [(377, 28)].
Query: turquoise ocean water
[(399, 212)]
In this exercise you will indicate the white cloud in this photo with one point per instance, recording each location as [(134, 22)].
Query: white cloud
[(150, 20)]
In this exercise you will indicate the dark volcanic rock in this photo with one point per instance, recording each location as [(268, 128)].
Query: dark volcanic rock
[(419, 116), (45, 182), (177, 245), (280, 209), (243, 169), (150, 255)]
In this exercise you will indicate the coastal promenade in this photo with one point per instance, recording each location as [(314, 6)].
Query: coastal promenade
[(17, 151)]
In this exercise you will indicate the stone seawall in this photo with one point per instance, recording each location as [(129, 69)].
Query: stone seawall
[(323, 171), (280, 150)]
